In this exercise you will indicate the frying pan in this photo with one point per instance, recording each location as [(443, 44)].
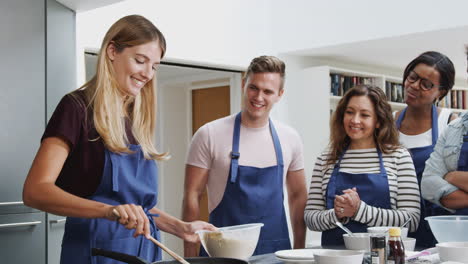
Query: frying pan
[(137, 260)]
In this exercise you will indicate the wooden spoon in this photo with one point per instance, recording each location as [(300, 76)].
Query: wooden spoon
[(159, 244)]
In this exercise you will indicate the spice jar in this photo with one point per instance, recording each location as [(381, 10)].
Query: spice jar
[(377, 253)]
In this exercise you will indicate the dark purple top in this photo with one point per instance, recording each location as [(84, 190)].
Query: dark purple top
[(72, 121)]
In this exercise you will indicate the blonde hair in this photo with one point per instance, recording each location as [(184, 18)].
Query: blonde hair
[(385, 136), (105, 99)]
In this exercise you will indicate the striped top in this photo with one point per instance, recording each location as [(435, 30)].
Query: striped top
[(403, 184)]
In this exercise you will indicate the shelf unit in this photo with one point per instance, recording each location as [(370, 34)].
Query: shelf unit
[(380, 80)]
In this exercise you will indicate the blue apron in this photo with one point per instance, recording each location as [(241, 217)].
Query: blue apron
[(255, 195), (372, 188), (424, 236), (126, 179), (463, 166)]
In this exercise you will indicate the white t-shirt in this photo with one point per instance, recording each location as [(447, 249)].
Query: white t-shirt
[(425, 139), (212, 144)]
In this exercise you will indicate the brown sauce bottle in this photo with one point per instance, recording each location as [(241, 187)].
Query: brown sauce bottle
[(396, 250)]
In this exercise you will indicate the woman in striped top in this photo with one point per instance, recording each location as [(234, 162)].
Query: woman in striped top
[(364, 178)]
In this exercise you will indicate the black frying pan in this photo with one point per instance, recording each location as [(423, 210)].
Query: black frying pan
[(137, 260)]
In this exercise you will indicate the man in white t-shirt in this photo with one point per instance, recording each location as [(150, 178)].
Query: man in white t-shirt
[(244, 160)]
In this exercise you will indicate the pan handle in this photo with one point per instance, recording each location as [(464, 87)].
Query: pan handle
[(118, 256)]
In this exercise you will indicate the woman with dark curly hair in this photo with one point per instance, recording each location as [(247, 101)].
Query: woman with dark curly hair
[(364, 178)]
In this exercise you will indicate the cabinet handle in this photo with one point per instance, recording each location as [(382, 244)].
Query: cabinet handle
[(11, 203), (20, 224), (58, 221)]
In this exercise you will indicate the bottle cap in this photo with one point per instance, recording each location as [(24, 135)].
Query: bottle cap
[(377, 241), (394, 231)]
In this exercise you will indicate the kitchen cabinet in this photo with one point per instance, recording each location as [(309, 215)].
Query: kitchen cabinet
[(22, 238), (22, 98), (38, 67)]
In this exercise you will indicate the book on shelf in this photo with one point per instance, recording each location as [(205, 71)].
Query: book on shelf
[(459, 100), (394, 91), (335, 81), (340, 84), (463, 99), (455, 99)]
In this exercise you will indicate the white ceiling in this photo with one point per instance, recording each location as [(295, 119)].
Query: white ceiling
[(85, 5), (396, 52)]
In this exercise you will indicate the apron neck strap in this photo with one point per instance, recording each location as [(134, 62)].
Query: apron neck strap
[(235, 155), (435, 125), (434, 122)]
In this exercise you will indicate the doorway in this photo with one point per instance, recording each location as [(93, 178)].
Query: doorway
[(188, 98), (208, 104)]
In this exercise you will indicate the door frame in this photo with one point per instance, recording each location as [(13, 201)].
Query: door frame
[(233, 80)]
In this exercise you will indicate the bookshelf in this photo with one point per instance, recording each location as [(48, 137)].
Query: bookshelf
[(340, 80)]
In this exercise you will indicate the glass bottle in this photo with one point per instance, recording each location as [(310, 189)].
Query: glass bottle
[(396, 250), (378, 251)]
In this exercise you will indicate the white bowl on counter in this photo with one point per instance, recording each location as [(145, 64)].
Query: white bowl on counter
[(361, 241), (409, 243), (358, 241), (330, 256), (384, 230), (453, 251)]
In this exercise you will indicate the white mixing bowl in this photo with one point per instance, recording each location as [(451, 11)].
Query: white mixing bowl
[(237, 241), (359, 241), (449, 228), (453, 251)]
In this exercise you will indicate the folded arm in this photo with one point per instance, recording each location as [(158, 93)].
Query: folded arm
[(433, 185)]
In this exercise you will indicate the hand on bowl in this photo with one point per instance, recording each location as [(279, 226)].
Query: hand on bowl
[(231, 242)]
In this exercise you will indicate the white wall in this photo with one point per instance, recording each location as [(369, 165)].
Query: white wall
[(301, 25), (206, 31), (171, 176)]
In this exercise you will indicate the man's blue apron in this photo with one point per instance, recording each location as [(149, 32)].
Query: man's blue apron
[(424, 236), (127, 179), (372, 188), (463, 166), (255, 195)]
